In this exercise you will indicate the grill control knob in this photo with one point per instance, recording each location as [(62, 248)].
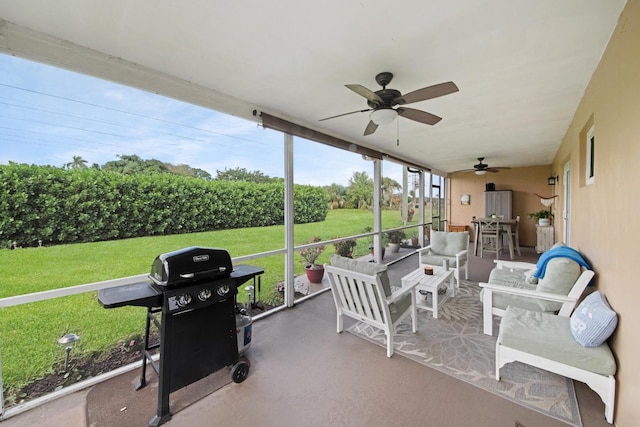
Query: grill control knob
[(223, 290), (204, 294), (183, 300)]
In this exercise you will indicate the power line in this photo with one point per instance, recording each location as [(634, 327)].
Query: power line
[(91, 119), (23, 139), (126, 112)]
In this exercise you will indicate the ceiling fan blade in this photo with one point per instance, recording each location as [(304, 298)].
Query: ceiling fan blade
[(428, 92), (492, 170), (371, 128), (419, 116), (344, 114), (367, 93)]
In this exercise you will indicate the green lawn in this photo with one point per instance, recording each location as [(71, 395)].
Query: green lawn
[(29, 333)]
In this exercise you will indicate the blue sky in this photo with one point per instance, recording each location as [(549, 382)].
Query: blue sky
[(48, 115)]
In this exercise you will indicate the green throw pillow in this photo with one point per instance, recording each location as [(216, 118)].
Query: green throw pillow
[(448, 243), (368, 268), (560, 276)]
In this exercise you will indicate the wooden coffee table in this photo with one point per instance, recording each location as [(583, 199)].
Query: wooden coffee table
[(441, 279)]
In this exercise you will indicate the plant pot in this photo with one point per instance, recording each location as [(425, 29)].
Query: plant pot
[(315, 273), (395, 247), (544, 222), (414, 241)]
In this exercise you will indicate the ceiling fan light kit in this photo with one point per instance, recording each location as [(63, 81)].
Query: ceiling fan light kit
[(383, 116), (481, 172)]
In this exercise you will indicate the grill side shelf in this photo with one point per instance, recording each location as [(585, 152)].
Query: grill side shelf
[(242, 273), (141, 294), (145, 294)]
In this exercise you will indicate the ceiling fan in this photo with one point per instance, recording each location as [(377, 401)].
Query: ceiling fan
[(381, 102), (482, 168)]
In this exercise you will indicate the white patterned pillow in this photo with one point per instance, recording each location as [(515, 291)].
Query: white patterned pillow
[(593, 322)]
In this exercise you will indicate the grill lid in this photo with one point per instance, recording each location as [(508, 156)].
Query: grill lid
[(190, 265)]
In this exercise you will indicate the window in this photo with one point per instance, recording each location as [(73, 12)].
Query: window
[(590, 143)]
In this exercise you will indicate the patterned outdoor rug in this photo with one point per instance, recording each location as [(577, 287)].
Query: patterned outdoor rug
[(454, 344)]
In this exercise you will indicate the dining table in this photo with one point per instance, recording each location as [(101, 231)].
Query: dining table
[(506, 224)]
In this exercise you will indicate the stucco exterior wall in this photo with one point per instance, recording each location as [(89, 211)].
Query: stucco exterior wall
[(603, 214), (523, 182), (604, 222)]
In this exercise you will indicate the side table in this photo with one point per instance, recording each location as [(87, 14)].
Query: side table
[(431, 283)]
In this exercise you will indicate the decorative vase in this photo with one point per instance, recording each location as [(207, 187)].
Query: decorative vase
[(315, 273), (544, 222), (395, 247)]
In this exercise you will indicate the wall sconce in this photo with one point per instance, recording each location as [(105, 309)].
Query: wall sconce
[(552, 180)]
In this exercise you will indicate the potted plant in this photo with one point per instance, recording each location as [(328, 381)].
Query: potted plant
[(395, 238), (310, 255), (345, 248), (543, 217)]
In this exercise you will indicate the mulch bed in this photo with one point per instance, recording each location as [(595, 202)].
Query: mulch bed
[(90, 366), (78, 370)]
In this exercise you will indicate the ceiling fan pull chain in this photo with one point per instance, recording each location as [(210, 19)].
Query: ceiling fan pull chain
[(398, 133)]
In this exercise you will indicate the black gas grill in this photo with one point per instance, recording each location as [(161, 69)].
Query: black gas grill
[(193, 292)]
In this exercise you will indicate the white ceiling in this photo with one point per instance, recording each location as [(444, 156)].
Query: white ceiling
[(521, 66)]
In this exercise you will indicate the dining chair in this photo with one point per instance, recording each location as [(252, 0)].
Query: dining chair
[(516, 236), (490, 236)]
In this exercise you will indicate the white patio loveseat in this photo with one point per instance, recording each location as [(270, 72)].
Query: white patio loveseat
[(557, 292), (573, 347)]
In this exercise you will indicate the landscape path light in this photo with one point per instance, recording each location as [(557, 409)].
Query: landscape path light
[(68, 340)]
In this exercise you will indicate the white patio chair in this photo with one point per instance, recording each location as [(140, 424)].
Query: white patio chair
[(361, 290)]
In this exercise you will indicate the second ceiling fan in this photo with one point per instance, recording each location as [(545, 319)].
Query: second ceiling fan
[(381, 102), (482, 168)]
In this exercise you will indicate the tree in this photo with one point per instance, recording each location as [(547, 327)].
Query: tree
[(187, 170), (336, 194), (77, 163), (241, 174), (360, 190), (388, 188), (131, 164)]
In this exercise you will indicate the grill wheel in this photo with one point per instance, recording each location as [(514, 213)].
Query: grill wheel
[(240, 371)]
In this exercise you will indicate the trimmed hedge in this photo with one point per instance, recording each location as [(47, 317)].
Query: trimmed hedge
[(85, 205)]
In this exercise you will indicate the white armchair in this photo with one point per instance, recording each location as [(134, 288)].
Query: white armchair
[(361, 290), (452, 246)]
